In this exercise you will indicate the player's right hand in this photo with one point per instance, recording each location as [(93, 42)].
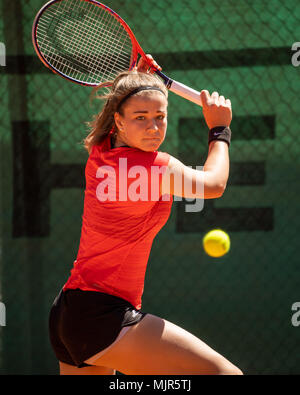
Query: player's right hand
[(144, 67), (216, 109)]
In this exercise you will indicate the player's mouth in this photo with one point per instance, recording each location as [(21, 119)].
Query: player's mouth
[(152, 138)]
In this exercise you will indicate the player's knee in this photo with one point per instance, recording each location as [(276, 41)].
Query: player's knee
[(227, 368), (220, 366), (233, 370)]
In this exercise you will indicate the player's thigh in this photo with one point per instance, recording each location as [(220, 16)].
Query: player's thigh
[(66, 369), (156, 346)]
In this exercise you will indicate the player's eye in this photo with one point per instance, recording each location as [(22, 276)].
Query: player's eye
[(140, 118), (160, 117)]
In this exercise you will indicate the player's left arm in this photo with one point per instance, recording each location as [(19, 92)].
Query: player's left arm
[(209, 183)]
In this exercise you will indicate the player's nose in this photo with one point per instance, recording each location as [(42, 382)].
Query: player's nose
[(152, 126)]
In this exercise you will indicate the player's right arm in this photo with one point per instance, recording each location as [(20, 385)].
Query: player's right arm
[(209, 183)]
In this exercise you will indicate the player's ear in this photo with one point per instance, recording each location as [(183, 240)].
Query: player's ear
[(118, 120)]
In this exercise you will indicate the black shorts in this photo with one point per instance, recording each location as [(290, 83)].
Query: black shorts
[(83, 323)]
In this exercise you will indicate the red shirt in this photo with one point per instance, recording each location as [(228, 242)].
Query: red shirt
[(117, 228)]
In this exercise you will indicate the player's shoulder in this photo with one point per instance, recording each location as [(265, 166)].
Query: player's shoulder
[(149, 155)]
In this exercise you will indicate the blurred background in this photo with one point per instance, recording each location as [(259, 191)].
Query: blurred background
[(240, 304)]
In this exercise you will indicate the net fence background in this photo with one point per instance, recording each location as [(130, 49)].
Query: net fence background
[(241, 304)]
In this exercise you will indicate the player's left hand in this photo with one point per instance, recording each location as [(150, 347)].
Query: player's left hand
[(217, 110), (145, 67)]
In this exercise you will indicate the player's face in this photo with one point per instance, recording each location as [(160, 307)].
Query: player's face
[(143, 123)]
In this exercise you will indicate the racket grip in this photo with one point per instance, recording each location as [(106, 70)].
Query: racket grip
[(185, 92), (180, 89)]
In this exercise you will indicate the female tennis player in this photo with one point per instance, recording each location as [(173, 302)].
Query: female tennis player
[(96, 322)]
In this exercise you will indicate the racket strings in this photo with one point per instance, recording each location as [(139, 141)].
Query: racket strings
[(114, 39), (86, 43), (62, 64), (71, 47), (94, 63), (109, 42)]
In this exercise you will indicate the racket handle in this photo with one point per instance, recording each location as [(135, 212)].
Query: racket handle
[(186, 92), (180, 89)]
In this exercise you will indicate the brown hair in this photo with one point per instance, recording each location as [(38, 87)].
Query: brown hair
[(123, 84)]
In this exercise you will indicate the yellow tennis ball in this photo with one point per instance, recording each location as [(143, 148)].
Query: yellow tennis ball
[(216, 243)]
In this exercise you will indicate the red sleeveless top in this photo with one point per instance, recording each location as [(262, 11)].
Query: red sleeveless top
[(123, 212)]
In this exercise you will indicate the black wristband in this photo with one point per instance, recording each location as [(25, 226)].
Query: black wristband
[(220, 133)]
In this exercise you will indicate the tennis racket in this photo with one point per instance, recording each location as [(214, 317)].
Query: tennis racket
[(86, 42)]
